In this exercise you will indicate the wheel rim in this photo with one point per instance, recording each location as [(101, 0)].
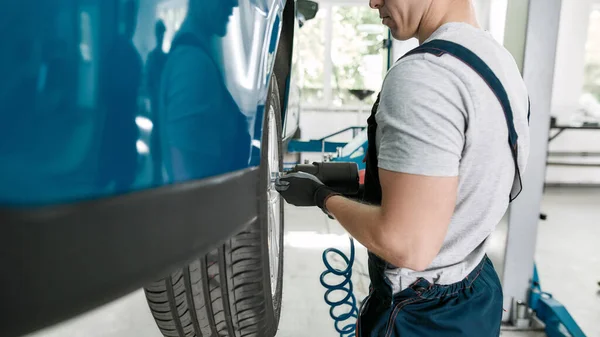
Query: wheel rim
[(274, 206)]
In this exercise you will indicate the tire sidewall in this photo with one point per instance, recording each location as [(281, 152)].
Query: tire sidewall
[(273, 311)]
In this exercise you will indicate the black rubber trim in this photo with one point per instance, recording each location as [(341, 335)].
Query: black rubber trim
[(60, 261), (284, 55)]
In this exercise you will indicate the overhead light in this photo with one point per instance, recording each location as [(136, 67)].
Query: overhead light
[(142, 148), (144, 123)]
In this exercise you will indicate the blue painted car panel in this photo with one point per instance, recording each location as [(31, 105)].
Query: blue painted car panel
[(93, 105)]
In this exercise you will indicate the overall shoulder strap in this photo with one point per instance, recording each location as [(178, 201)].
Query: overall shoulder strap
[(441, 47)]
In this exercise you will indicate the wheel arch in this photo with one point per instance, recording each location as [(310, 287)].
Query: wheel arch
[(284, 54)]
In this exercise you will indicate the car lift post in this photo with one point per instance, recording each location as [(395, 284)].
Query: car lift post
[(531, 35)]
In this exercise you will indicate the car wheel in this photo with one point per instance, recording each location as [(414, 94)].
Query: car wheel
[(234, 290)]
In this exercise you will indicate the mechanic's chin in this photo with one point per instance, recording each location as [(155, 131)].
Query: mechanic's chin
[(399, 35), (388, 22)]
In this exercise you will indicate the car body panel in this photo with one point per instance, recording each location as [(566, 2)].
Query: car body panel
[(86, 216), (86, 112)]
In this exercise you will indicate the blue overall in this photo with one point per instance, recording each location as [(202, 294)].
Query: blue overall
[(470, 308)]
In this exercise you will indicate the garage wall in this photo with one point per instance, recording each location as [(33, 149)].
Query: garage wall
[(568, 84), (570, 56)]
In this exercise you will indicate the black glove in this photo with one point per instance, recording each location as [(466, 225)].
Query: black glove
[(303, 189)]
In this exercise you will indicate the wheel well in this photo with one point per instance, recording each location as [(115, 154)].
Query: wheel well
[(283, 58)]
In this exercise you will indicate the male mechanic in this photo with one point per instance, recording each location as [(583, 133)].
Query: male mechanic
[(448, 140)]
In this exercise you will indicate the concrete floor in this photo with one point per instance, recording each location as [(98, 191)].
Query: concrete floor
[(568, 253), (568, 257)]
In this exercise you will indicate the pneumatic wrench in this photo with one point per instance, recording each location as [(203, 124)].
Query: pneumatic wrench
[(341, 177)]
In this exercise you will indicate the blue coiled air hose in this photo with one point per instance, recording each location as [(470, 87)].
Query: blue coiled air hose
[(343, 287)]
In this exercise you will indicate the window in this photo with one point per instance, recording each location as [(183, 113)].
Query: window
[(311, 50), (591, 84), (342, 58)]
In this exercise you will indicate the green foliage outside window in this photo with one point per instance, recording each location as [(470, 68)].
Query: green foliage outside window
[(357, 57), (311, 48), (592, 79), (592, 58)]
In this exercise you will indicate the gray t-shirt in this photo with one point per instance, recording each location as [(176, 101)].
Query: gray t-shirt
[(437, 117)]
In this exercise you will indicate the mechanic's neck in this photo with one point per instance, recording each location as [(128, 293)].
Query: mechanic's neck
[(441, 12)]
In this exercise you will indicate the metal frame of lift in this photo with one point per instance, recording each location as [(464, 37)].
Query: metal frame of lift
[(531, 35), (560, 129), (321, 145), (556, 318)]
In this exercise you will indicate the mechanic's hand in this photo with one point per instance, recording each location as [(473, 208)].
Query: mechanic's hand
[(303, 189)]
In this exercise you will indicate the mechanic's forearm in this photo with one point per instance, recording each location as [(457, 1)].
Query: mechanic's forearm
[(367, 225)]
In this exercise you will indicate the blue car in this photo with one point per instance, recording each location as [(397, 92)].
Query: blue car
[(138, 141)]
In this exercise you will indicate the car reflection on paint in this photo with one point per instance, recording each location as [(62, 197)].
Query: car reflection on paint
[(128, 130)]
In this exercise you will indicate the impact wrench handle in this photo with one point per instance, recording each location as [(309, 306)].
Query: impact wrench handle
[(341, 177)]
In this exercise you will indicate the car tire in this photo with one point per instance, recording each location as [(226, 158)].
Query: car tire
[(234, 290)]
